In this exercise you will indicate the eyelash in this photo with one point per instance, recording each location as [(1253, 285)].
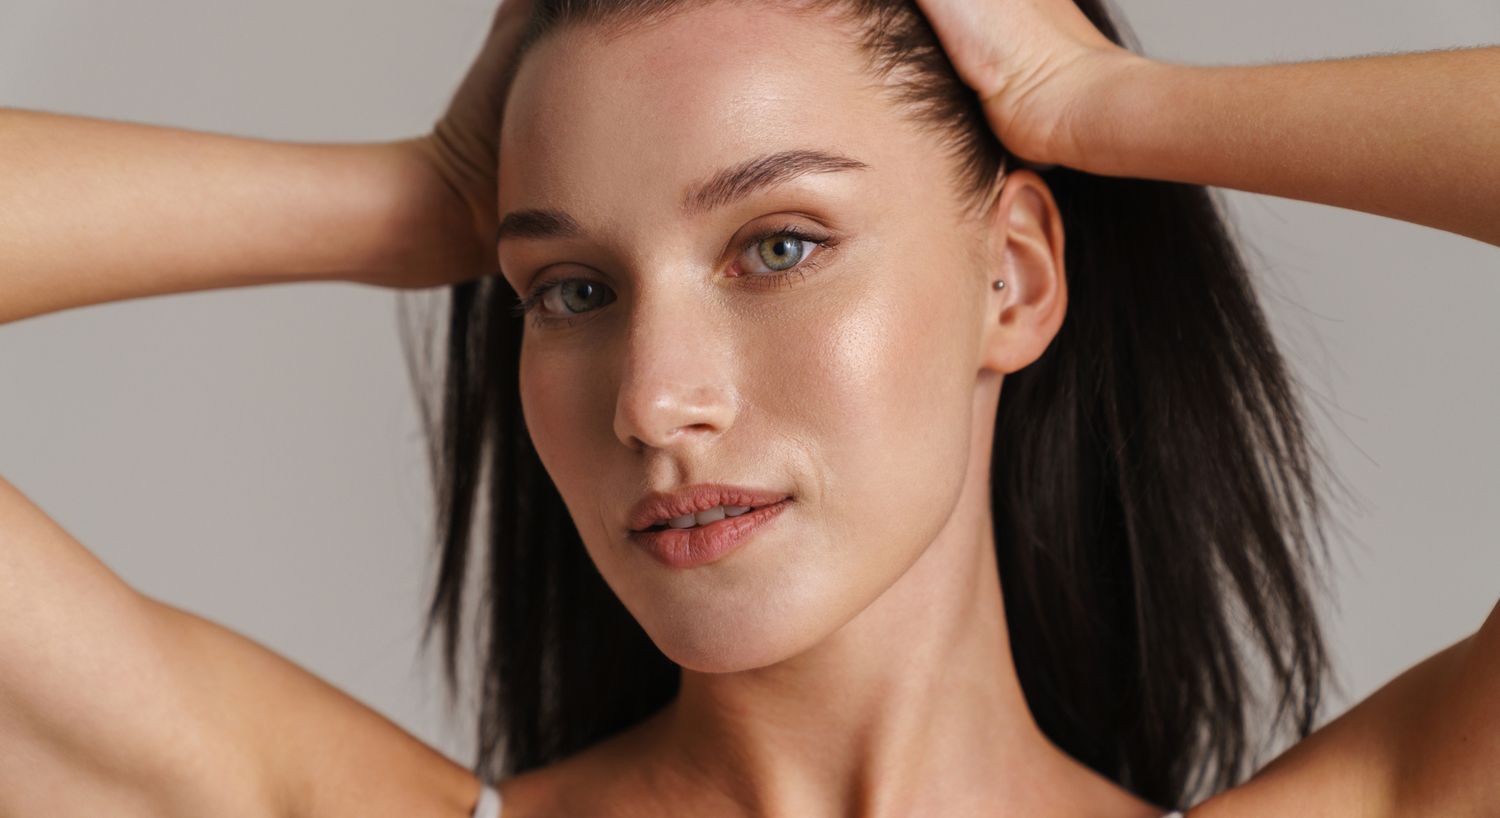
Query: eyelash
[(810, 263)]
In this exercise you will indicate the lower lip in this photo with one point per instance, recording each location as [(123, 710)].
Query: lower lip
[(690, 547)]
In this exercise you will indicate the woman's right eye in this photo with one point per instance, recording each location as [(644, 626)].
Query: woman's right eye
[(561, 299), (575, 295)]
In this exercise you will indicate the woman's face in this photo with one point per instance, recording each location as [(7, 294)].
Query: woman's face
[(843, 375)]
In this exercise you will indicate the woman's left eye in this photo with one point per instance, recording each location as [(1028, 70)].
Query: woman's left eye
[(782, 249)]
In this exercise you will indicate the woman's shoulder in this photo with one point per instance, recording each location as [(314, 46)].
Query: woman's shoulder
[(531, 794), (556, 789), (603, 779), (552, 791), (1396, 752)]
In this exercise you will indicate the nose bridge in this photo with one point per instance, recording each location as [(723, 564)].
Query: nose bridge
[(677, 384)]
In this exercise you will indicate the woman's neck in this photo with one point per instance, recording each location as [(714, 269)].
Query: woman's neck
[(912, 707)]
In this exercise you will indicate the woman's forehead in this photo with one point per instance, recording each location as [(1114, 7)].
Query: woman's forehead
[(650, 113)]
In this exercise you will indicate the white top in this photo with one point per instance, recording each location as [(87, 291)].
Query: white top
[(489, 803)]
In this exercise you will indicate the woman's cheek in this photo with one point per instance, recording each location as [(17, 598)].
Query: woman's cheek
[(550, 401), (894, 383)]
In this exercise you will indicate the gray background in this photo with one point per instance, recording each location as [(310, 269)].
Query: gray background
[(254, 455)]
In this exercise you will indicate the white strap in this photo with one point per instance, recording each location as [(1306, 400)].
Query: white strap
[(489, 803)]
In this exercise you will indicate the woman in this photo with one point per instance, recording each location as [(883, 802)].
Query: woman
[(855, 652)]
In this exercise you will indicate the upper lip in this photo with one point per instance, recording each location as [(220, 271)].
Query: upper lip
[(665, 505)]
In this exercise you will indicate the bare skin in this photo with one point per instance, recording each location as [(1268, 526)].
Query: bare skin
[(169, 210), (1333, 131), (131, 707)]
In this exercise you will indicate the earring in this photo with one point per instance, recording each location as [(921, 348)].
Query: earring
[(999, 285)]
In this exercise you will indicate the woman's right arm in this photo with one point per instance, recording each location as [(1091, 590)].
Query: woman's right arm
[(113, 703), (95, 210), (98, 710)]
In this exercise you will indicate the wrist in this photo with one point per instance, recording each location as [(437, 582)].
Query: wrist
[(1119, 114), (432, 234)]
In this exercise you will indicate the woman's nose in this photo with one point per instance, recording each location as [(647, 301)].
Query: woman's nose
[(678, 385)]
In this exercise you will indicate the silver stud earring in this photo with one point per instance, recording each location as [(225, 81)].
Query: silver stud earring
[(999, 285)]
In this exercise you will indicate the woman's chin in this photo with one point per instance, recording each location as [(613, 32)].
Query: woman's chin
[(723, 662), (706, 646)]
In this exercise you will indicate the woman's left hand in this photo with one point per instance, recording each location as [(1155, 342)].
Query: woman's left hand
[(1033, 62)]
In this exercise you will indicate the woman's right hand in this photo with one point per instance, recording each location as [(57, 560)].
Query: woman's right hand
[(1034, 63), (463, 147)]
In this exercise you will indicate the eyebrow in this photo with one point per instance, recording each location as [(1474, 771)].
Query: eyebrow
[(719, 190)]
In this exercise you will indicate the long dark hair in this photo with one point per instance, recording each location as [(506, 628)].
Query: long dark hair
[(1153, 486)]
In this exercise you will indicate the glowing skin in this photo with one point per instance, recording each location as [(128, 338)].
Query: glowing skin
[(852, 657)]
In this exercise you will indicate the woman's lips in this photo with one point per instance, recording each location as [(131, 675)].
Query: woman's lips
[(738, 510), (700, 545), (659, 506)]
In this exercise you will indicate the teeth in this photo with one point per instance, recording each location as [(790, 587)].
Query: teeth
[(707, 516)]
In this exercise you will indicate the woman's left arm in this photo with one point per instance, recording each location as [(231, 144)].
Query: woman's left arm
[(1415, 137), (1424, 745), (1451, 734), (1411, 136)]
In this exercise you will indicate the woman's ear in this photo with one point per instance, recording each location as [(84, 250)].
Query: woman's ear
[(1026, 252)]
